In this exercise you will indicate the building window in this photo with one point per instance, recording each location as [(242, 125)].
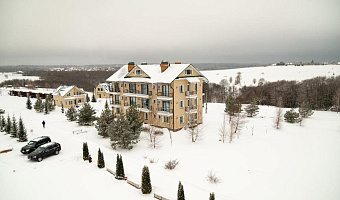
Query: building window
[(70, 102), (145, 89), (195, 86), (132, 88), (69, 94), (65, 103), (117, 110), (166, 106), (195, 102), (159, 102), (188, 71), (195, 115), (146, 116), (138, 72), (145, 103), (181, 119), (158, 87), (79, 100), (181, 88), (181, 104), (188, 87), (188, 101), (166, 120), (165, 90), (154, 101), (133, 101)]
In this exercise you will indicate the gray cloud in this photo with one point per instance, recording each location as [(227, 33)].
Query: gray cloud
[(113, 31)]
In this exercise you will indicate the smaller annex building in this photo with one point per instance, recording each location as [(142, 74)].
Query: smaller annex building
[(69, 96), (102, 90)]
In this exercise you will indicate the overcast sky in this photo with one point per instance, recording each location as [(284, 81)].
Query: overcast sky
[(192, 31)]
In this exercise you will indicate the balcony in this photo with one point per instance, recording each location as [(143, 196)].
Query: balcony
[(165, 96), (137, 93), (165, 111), (145, 108), (191, 94), (115, 104), (191, 109)]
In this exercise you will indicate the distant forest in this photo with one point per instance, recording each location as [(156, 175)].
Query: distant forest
[(87, 80), (320, 92)]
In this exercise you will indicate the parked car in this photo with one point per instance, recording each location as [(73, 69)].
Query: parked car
[(34, 144), (52, 148), (2, 111)]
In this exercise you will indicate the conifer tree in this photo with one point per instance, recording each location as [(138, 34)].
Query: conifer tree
[(2, 123), (62, 108), (100, 161), (119, 168), (252, 109), (14, 127), (86, 115), (120, 133), (85, 151), (39, 106), (104, 121), (87, 98), (146, 182), (291, 116), (305, 110), (71, 114), (106, 105), (93, 98), (46, 110), (28, 103), (232, 106), (212, 196), (134, 120), (8, 125), (22, 133), (180, 193)]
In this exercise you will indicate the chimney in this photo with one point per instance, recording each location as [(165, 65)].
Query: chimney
[(131, 65), (178, 63), (164, 65)]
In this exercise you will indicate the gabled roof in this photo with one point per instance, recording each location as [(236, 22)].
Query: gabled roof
[(153, 71), (106, 87), (64, 89)]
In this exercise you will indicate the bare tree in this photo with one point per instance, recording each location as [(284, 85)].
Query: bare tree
[(194, 130), (252, 129), (239, 122), (156, 139), (223, 129), (278, 118)]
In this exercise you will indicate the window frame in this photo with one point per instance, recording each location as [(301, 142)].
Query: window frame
[(188, 70)]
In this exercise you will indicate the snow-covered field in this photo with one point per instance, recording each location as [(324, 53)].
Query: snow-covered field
[(5, 76), (273, 73), (295, 162)]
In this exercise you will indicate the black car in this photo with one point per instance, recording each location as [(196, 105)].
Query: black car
[(52, 148), (34, 144)]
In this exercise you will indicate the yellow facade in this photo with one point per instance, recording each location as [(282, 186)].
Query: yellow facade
[(71, 98), (100, 92), (168, 105)]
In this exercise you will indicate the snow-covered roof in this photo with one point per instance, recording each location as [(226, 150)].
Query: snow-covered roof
[(153, 71), (64, 89), (106, 87)]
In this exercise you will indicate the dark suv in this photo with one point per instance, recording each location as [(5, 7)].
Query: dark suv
[(34, 144), (45, 150)]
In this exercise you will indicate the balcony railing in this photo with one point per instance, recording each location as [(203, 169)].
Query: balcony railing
[(129, 104), (188, 93), (116, 102), (165, 110), (165, 94), (188, 108), (137, 92)]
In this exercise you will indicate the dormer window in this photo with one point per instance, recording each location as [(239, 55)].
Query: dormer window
[(138, 72), (188, 71)]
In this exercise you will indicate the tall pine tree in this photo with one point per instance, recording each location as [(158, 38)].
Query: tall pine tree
[(62, 108), (180, 192), (100, 161), (146, 182), (2, 123), (85, 151), (119, 168), (104, 121), (39, 106), (93, 98), (22, 133), (121, 135), (46, 110), (87, 98), (8, 125), (305, 110), (252, 109), (86, 115), (134, 120), (28, 103), (14, 127)]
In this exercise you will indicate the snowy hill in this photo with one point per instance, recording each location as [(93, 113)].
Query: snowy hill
[(295, 162)]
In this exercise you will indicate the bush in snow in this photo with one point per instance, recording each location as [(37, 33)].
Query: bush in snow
[(291, 116), (212, 177), (212, 196), (120, 174), (146, 182), (180, 192), (100, 161), (85, 151), (252, 109), (39, 106), (171, 164), (305, 110)]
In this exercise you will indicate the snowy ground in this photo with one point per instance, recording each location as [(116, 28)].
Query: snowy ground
[(273, 73), (295, 162)]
